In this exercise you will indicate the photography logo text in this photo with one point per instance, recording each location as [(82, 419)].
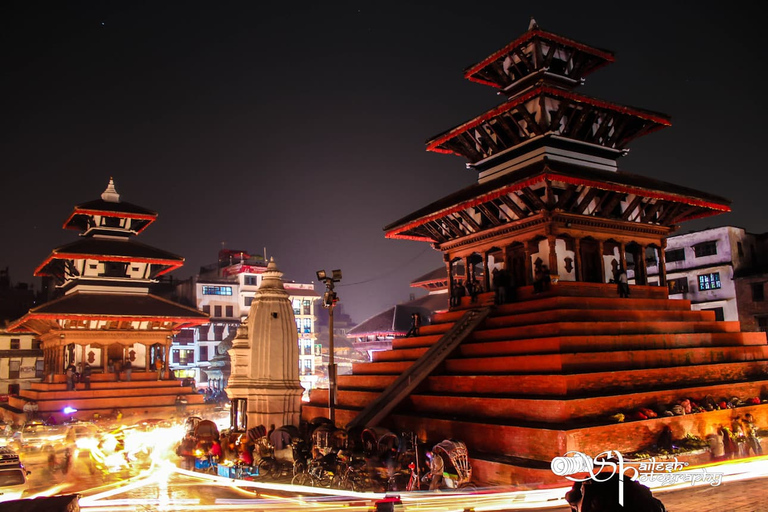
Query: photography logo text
[(579, 467)]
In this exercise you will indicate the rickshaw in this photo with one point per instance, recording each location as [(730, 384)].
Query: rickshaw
[(457, 473), (205, 432), (321, 468), (291, 459)]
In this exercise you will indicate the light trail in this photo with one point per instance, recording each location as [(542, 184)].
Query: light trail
[(157, 446)]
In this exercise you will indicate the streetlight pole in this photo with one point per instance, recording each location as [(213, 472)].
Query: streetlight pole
[(329, 301), (331, 367)]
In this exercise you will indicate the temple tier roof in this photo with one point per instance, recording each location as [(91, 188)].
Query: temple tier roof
[(107, 249), (108, 307), (109, 205), (538, 55), (545, 110), (555, 187), (396, 321)]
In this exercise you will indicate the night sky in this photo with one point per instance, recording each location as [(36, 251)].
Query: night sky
[(301, 127)]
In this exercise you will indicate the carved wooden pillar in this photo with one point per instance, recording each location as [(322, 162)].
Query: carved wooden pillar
[(82, 355), (643, 268), (148, 356), (552, 242), (166, 373), (59, 359), (528, 269), (601, 260), (577, 257), (486, 273), (663, 264), (623, 256)]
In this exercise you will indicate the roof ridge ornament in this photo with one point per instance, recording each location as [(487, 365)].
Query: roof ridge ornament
[(110, 194), (532, 25)]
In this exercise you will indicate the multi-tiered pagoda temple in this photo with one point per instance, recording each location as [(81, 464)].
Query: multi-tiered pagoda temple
[(105, 316), (561, 370)]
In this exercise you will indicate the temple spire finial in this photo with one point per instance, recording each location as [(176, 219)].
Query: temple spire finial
[(532, 24), (110, 194)]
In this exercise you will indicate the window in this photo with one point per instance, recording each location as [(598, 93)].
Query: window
[(296, 306), (217, 311), (230, 311), (306, 367), (15, 343), (298, 325), (705, 249), (185, 357), (679, 285), (204, 352), (218, 332), (248, 301), (217, 290), (13, 369), (675, 255), (251, 280), (203, 333), (207, 309), (762, 323), (307, 324), (758, 292), (307, 304), (709, 281)]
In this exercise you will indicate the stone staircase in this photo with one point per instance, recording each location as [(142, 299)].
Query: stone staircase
[(144, 396), (544, 374)]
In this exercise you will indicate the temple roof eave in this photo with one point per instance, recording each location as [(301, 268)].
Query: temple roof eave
[(699, 204), (602, 56), (43, 323), (114, 307), (646, 121), (111, 250)]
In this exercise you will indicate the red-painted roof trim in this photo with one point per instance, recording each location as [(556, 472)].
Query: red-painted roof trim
[(538, 91), (173, 264), (179, 322), (106, 213), (524, 39), (395, 233)]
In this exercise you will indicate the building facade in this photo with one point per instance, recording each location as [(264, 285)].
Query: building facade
[(701, 267), (225, 291), (21, 361)]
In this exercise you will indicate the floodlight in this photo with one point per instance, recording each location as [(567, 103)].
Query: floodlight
[(337, 275), (321, 275)]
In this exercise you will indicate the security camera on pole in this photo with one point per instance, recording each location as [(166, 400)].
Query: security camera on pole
[(329, 301)]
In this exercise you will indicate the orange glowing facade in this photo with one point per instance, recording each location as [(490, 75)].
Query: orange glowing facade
[(566, 366)]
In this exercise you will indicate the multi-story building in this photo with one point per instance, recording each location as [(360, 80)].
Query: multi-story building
[(21, 361), (701, 267), (225, 291)]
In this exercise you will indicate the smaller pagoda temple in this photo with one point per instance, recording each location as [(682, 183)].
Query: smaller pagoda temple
[(105, 317)]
